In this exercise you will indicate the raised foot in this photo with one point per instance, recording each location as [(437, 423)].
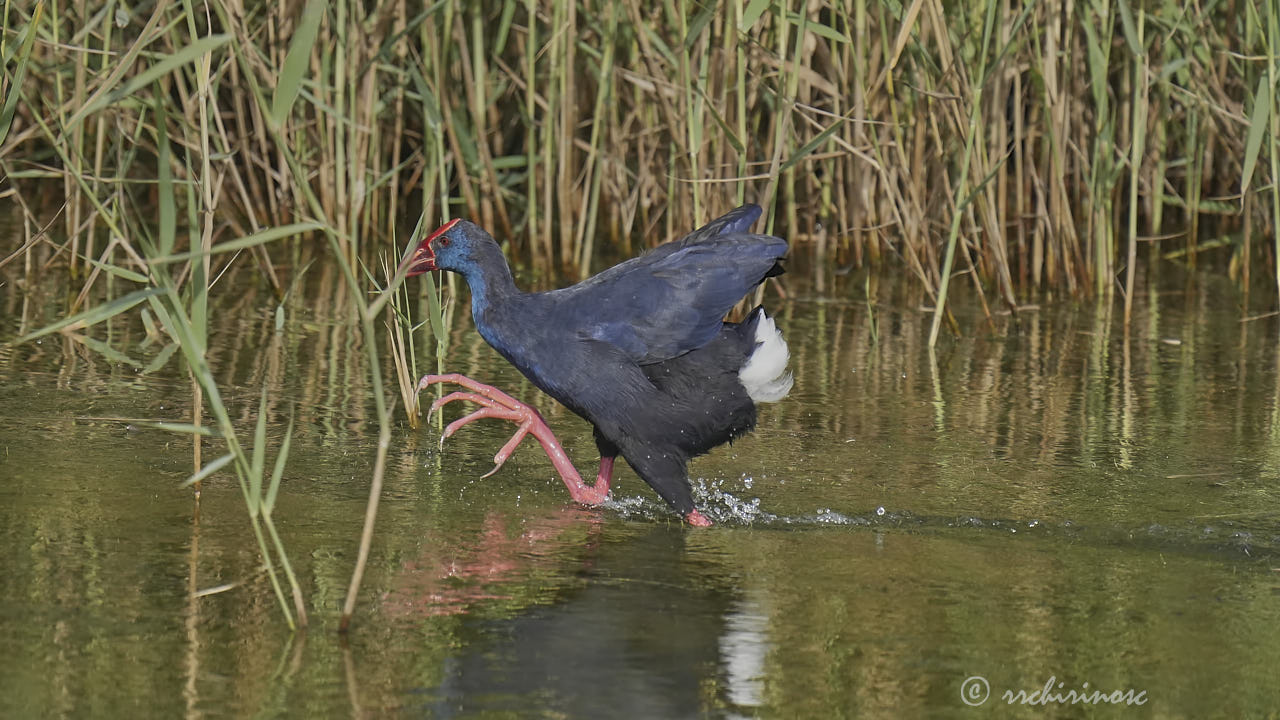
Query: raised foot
[(496, 404)]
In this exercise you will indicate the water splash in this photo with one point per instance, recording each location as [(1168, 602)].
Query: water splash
[(721, 506), (725, 507)]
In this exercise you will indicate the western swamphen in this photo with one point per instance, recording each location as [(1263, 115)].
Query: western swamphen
[(641, 351)]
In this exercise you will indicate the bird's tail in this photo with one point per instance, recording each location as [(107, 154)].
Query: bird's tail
[(765, 374)]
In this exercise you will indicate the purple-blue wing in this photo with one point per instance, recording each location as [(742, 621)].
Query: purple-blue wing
[(673, 299), (734, 221)]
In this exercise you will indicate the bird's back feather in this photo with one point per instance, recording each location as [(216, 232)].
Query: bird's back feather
[(672, 300)]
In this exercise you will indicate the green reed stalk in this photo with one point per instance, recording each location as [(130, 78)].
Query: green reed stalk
[(781, 114), (961, 185), (1101, 171), (1137, 146), (691, 102), (186, 325), (740, 98), (550, 139), (192, 325), (531, 125), (566, 180), (1191, 187), (587, 217), (367, 312), (1273, 56), (25, 43)]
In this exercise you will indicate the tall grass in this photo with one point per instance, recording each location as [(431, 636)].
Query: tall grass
[(1010, 143), (571, 128), (149, 243)]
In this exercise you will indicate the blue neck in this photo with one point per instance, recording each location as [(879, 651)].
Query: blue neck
[(490, 280)]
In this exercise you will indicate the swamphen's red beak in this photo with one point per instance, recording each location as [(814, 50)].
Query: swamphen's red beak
[(423, 257)]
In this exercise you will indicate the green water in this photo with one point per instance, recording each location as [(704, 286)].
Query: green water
[(1042, 500)]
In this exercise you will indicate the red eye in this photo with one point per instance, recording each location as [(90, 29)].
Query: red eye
[(438, 238)]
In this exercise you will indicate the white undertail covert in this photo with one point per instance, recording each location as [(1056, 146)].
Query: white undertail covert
[(765, 374)]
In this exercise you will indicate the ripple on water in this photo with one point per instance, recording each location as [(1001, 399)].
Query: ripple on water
[(732, 508)]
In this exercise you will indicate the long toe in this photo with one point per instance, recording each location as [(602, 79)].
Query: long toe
[(498, 405)]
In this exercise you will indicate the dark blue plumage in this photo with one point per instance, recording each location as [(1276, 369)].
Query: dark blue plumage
[(640, 350)]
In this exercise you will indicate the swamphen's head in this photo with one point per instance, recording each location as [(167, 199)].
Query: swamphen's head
[(451, 247)]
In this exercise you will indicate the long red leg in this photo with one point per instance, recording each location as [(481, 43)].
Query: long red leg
[(497, 404)]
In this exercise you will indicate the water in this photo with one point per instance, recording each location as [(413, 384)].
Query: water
[(1040, 501)]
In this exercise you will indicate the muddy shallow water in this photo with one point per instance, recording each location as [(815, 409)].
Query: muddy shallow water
[(1043, 502)]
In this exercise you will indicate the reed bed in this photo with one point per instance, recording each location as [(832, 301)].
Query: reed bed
[(1047, 141), (1050, 147)]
